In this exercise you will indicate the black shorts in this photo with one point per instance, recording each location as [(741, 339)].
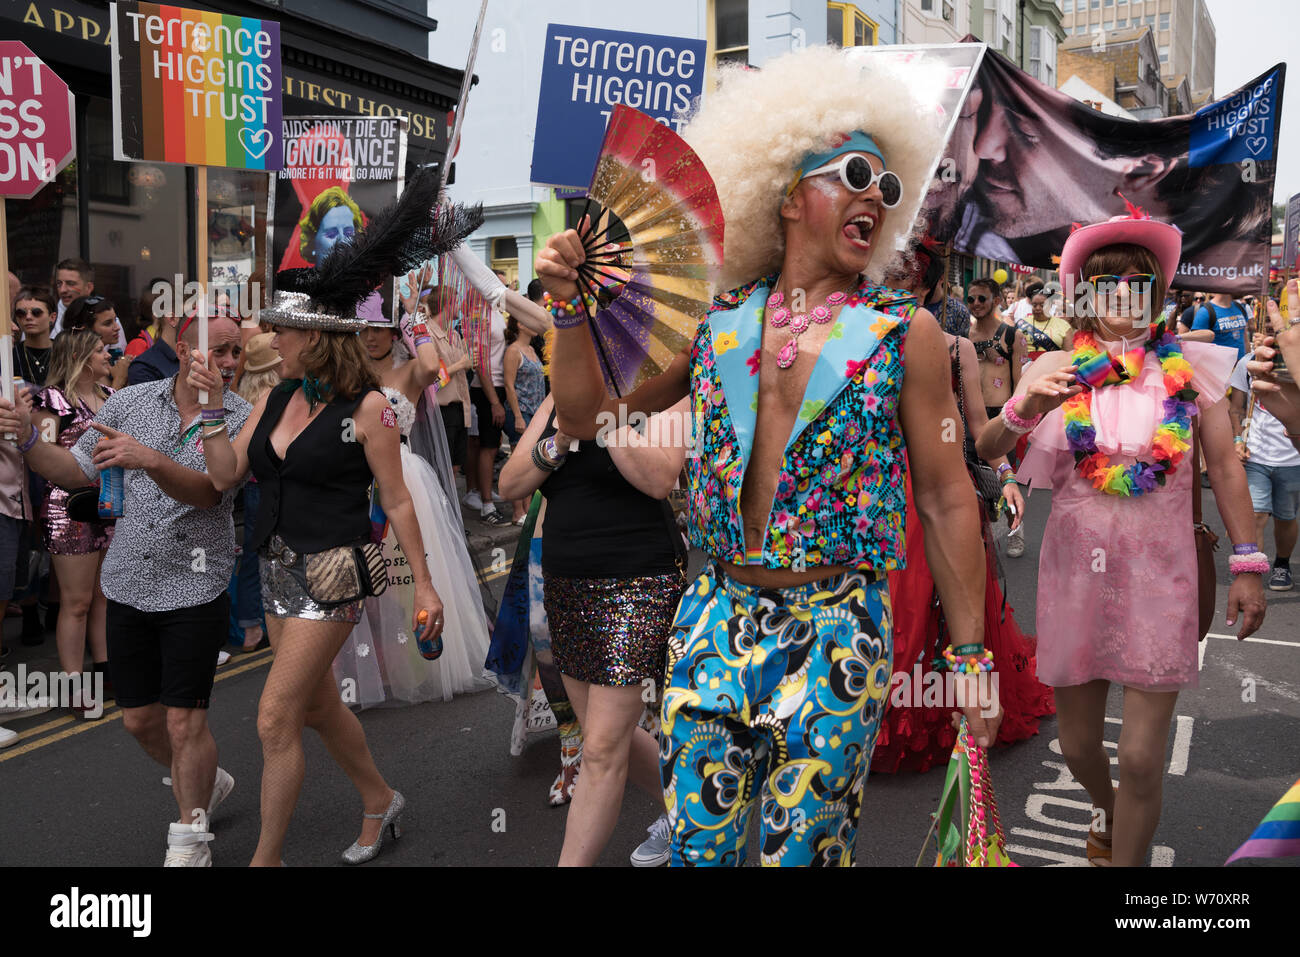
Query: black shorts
[(453, 423), (489, 435), (166, 656)]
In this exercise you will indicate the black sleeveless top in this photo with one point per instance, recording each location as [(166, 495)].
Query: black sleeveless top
[(318, 496), (599, 525)]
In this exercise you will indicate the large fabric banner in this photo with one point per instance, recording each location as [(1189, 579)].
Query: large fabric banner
[(338, 172), (1025, 162)]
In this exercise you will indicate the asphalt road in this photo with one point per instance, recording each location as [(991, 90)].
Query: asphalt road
[(84, 794)]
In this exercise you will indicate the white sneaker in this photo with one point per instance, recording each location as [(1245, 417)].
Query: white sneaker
[(497, 498), (221, 788), (1016, 543), (653, 851), (187, 847), (222, 658), (7, 737), (25, 708), (474, 500)]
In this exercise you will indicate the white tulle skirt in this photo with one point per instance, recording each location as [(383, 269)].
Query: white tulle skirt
[(379, 665)]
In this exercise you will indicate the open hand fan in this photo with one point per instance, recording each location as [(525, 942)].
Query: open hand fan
[(652, 249)]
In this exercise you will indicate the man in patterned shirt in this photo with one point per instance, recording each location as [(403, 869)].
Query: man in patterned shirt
[(780, 659), (166, 571)]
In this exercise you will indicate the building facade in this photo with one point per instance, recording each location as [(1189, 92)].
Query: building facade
[(494, 159), (1182, 30), (1125, 68)]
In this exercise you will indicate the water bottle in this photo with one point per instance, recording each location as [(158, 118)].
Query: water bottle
[(430, 648), (111, 492)]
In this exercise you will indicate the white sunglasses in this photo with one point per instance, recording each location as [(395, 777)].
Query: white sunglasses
[(857, 175)]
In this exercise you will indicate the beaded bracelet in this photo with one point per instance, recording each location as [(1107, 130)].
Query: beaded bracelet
[(1014, 422), (31, 441), (971, 665), (566, 314), (1256, 563), (1245, 548), (212, 415)]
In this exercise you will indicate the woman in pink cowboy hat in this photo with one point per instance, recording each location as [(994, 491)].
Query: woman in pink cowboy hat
[(1110, 434)]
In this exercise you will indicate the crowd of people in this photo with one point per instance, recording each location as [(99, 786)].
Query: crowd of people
[(847, 537)]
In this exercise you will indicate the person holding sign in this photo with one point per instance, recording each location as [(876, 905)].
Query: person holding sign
[(317, 444), (780, 661)]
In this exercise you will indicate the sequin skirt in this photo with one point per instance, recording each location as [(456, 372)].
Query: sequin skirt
[(612, 631), (67, 536), (284, 597)]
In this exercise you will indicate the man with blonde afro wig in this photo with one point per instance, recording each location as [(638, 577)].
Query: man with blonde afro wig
[(778, 668)]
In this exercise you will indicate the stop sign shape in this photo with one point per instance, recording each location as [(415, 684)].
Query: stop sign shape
[(36, 122)]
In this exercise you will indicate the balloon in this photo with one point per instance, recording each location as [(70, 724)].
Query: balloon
[(999, 276)]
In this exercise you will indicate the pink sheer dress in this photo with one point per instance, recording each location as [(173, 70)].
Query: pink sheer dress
[(1117, 575)]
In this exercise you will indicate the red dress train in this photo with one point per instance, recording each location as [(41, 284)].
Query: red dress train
[(915, 738)]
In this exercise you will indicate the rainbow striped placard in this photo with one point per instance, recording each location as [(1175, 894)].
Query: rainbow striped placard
[(194, 87), (1278, 835)]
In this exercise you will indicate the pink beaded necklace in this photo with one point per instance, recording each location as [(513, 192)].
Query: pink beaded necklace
[(799, 322)]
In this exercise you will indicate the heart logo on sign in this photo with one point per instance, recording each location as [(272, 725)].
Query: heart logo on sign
[(255, 143), (1256, 144)]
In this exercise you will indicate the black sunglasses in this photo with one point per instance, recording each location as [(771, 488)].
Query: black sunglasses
[(971, 300), (35, 313)]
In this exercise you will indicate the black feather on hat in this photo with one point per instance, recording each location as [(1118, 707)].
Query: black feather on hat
[(405, 234)]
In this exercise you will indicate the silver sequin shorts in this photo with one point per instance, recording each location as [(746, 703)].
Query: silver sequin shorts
[(284, 597)]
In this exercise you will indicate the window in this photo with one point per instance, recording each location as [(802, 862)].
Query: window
[(1164, 21), (1122, 22), (847, 26), (1042, 56), (1110, 3), (1110, 24), (1067, 6), (731, 31), (1151, 18), (1094, 4), (1164, 54)]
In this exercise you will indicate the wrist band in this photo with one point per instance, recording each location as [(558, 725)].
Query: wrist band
[(215, 432), (1255, 563), (31, 440), (973, 649), (971, 664), (1239, 440), (212, 415), (1014, 422), (545, 456), (1004, 467), (1010, 480), (1245, 548)]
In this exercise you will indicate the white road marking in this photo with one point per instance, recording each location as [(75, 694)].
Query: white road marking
[(1255, 641), (1063, 860), (1182, 746), (1162, 856), (1200, 654)]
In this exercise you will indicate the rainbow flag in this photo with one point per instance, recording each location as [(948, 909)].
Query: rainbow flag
[(195, 87), (1278, 835)]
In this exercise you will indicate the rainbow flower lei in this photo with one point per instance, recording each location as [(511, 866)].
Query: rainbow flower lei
[(1172, 438)]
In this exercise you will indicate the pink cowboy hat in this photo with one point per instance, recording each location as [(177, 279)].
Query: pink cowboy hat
[(1164, 240)]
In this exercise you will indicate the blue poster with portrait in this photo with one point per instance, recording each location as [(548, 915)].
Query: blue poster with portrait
[(586, 73)]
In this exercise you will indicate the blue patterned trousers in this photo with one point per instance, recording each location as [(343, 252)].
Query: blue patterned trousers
[(779, 691)]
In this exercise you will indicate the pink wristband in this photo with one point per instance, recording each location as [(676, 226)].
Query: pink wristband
[(1255, 563), (1014, 422)]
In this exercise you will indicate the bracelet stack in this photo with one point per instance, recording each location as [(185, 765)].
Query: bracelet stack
[(1247, 559), (420, 333), (29, 441), (967, 659), (566, 314), (545, 455), (1015, 423), (1006, 474), (214, 422)]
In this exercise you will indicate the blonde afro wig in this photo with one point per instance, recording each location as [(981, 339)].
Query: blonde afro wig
[(753, 131)]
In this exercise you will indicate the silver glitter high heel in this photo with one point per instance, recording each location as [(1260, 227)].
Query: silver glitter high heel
[(357, 854)]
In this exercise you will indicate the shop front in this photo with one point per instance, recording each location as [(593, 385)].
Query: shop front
[(136, 222)]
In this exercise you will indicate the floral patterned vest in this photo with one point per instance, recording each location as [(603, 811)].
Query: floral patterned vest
[(841, 496)]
